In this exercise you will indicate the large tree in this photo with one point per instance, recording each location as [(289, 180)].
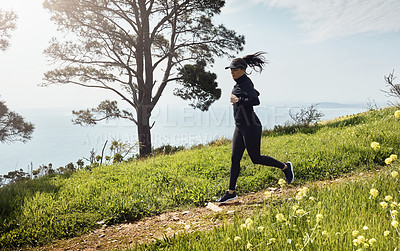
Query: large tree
[(135, 48), (13, 126), (7, 24)]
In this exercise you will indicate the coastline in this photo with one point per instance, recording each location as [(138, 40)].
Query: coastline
[(57, 141)]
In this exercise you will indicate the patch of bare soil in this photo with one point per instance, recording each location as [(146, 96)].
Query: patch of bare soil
[(148, 229)]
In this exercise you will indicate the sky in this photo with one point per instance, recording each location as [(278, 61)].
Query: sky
[(318, 51)]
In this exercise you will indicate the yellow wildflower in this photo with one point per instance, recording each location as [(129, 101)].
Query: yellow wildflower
[(248, 224), (325, 233), (299, 196), (280, 217), (300, 212), (388, 161), (311, 198), (393, 204), (388, 198), (356, 242), (397, 114), (365, 228), (386, 233), (261, 228), (237, 238), (374, 192), (272, 240), (249, 221), (372, 241), (301, 193), (383, 204), (375, 145), (268, 194), (304, 189), (361, 239), (395, 174), (395, 224), (319, 217), (394, 213), (282, 182), (393, 157), (249, 246), (355, 233)]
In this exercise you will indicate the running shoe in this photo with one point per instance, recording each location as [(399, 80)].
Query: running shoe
[(227, 197), (289, 172)]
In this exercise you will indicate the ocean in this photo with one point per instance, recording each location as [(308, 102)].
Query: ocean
[(57, 141)]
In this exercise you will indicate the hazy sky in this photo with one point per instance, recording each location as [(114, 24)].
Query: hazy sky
[(318, 51)]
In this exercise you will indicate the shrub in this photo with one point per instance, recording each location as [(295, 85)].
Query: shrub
[(306, 116)]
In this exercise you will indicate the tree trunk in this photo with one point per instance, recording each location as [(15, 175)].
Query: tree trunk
[(144, 79), (144, 134)]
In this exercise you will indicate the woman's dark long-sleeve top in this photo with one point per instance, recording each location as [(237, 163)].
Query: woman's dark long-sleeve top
[(248, 97)]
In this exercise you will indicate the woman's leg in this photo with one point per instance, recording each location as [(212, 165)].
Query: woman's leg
[(252, 141), (238, 147)]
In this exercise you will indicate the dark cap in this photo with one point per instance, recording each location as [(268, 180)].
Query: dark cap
[(237, 63)]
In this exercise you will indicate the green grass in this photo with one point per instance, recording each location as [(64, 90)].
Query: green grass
[(341, 217), (62, 206)]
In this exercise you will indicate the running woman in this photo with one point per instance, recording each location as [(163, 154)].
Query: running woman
[(248, 129)]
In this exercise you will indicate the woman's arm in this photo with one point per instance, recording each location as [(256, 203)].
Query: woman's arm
[(251, 99)]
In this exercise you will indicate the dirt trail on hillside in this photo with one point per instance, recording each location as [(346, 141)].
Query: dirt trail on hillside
[(148, 229)]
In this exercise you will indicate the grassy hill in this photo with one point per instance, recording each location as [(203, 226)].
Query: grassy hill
[(54, 207), (356, 212)]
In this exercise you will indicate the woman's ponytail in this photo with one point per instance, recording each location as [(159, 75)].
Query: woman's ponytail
[(256, 61)]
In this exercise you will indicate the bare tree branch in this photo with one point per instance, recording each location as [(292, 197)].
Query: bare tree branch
[(393, 89), (7, 24)]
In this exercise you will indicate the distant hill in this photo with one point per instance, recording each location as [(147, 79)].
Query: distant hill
[(338, 105)]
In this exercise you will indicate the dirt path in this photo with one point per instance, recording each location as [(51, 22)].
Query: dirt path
[(167, 224)]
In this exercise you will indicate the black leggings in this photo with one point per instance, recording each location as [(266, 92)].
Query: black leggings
[(248, 137)]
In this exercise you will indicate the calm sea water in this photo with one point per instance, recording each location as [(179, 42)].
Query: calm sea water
[(56, 140)]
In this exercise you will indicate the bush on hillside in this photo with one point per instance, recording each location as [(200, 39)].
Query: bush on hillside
[(306, 116)]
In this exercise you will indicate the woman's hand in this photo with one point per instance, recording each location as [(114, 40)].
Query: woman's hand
[(234, 99)]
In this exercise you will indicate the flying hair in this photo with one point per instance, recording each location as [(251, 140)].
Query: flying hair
[(256, 61)]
